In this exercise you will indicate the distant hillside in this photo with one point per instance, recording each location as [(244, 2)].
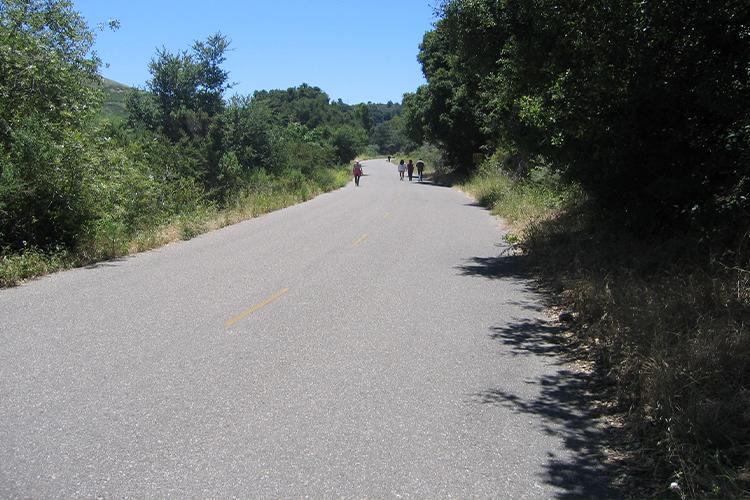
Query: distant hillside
[(114, 100)]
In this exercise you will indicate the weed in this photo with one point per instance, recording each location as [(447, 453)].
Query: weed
[(16, 267)]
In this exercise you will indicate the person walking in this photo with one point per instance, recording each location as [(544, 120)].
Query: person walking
[(410, 169), (357, 172), (420, 169), (389, 158), (401, 169)]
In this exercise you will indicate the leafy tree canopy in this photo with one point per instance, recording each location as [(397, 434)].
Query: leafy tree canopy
[(646, 104)]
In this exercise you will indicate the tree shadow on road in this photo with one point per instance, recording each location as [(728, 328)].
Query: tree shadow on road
[(568, 402), (428, 183), (506, 265), (570, 407), (564, 403), (530, 337), (113, 262)]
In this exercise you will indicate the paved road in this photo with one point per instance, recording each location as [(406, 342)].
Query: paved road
[(369, 342)]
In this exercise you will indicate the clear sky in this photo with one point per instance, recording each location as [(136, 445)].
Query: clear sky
[(356, 50)]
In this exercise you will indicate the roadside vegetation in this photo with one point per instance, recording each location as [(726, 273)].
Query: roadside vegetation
[(91, 169), (614, 139)]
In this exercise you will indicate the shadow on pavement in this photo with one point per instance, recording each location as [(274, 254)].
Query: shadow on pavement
[(566, 400), (429, 183), (107, 263), (530, 337), (505, 265), (563, 404)]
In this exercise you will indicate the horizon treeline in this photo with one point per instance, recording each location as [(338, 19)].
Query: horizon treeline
[(70, 178)]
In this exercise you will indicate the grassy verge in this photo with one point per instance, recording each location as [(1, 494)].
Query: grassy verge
[(665, 323), (111, 240), (520, 201)]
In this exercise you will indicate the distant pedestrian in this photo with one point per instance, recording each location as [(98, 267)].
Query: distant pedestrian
[(420, 169), (410, 169), (357, 172), (401, 169), (389, 158)]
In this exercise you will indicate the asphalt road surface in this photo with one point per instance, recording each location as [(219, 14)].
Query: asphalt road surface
[(372, 342)]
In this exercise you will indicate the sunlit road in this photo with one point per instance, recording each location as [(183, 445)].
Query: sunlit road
[(371, 342)]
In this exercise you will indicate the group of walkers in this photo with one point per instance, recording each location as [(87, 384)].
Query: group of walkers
[(409, 169), (402, 168)]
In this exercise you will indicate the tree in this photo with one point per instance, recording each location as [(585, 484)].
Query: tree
[(47, 95), (187, 87), (388, 136), (646, 105), (445, 110), (47, 67), (348, 141), (362, 112)]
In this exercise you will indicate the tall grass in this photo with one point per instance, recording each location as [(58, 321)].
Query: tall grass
[(520, 201), (110, 239), (665, 321)]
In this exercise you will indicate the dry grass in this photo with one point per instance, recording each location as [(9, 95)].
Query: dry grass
[(669, 327)]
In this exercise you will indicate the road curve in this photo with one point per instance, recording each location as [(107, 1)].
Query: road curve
[(374, 341)]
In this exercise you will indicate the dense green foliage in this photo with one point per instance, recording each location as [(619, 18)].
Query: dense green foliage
[(645, 104), (46, 100), (79, 182)]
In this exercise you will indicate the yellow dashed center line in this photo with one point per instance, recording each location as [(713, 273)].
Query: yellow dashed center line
[(387, 214), (247, 312), (359, 240)]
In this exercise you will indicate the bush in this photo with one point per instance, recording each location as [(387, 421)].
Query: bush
[(44, 197), (348, 141)]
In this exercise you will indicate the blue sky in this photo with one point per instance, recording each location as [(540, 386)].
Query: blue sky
[(355, 50)]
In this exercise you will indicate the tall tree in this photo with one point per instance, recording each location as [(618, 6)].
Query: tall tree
[(645, 104), (47, 95), (188, 87)]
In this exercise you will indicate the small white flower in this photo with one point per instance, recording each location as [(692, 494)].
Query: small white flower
[(674, 486)]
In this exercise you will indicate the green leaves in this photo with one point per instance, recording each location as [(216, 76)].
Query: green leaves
[(187, 88), (642, 103), (46, 64)]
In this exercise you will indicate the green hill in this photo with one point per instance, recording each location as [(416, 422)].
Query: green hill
[(113, 107)]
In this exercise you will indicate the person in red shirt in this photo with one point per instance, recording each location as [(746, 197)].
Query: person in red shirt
[(357, 172)]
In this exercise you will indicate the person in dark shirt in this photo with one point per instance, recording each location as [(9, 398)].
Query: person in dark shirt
[(420, 169)]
